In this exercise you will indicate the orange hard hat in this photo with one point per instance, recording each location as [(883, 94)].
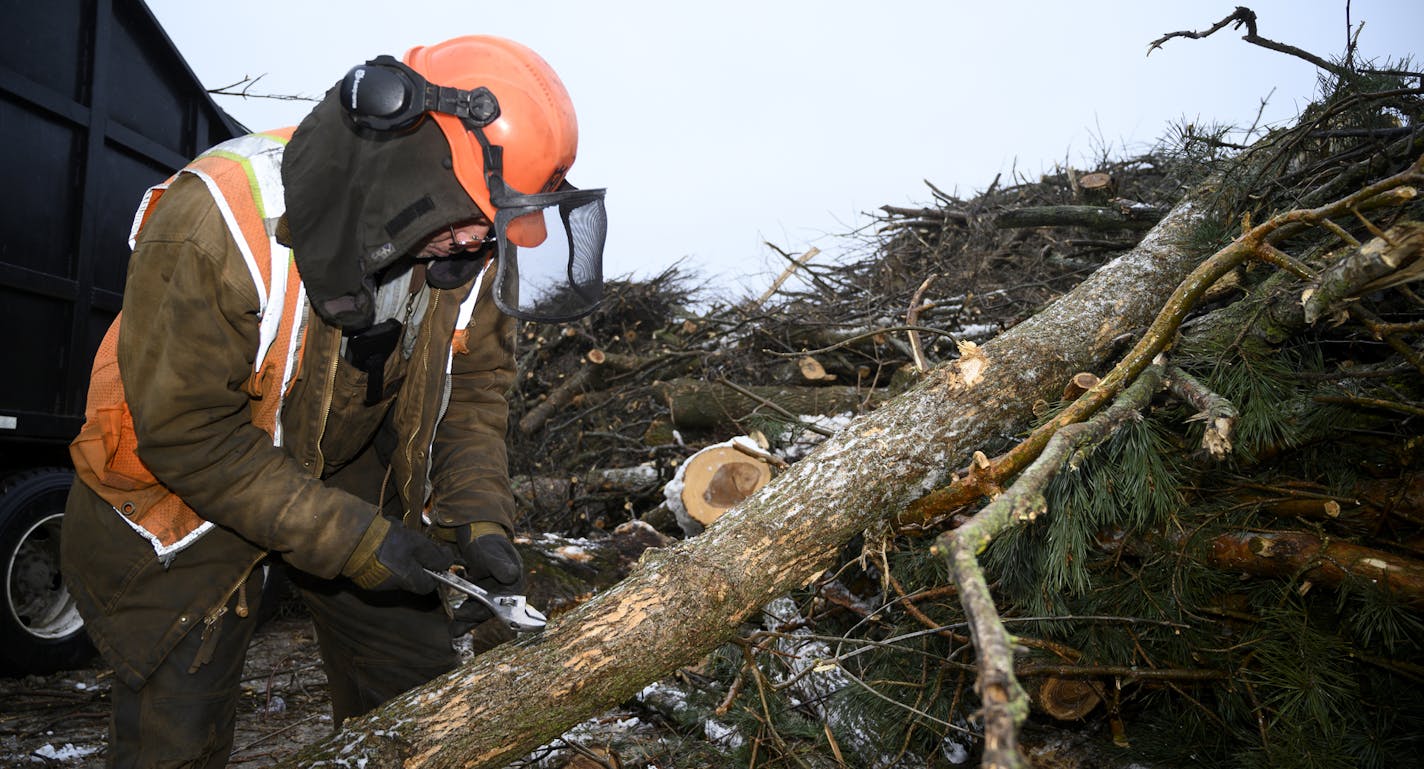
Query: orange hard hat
[(536, 124)]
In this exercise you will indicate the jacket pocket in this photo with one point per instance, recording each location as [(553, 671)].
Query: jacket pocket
[(351, 424)]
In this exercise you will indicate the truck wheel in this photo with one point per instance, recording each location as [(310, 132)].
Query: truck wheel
[(40, 627)]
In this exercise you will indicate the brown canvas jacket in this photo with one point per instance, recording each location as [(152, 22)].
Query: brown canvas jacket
[(186, 350)]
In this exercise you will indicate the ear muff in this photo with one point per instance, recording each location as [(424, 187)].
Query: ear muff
[(386, 95), (381, 95)]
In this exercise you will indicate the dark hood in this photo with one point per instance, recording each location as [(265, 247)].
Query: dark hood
[(358, 200)]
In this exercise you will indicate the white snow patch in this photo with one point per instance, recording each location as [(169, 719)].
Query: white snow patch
[(975, 331), (67, 753), (814, 675), (603, 729), (721, 735), (566, 541), (672, 493), (572, 553), (798, 445), (665, 693), (954, 751)]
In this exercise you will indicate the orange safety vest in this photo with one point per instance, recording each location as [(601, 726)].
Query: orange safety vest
[(244, 178)]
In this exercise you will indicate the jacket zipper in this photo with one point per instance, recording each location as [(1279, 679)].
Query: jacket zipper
[(214, 617), (326, 397), (424, 344)]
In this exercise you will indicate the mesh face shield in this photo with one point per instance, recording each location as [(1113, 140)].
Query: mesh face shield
[(561, 277), (550, 247)]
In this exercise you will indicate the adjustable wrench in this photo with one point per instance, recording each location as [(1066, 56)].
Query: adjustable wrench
[(511, 609)]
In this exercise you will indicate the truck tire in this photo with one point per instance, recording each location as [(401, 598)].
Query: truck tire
[(40, 627)]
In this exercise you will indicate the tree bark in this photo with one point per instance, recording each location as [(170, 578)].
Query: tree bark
[(557, 493), (519, 696)]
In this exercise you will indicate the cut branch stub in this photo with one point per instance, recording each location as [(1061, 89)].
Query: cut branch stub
[(1080, 383), (1391, 260)]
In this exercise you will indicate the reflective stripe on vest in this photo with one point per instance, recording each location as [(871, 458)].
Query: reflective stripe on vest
[(243, 176), (251, 202)]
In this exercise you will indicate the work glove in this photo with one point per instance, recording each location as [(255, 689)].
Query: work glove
[(393, 557), (491, 562)]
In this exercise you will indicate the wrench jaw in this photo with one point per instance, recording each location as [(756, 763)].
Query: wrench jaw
[(519, 615), (513, 610)]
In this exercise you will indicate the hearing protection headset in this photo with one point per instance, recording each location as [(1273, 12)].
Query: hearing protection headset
[(386, 95)]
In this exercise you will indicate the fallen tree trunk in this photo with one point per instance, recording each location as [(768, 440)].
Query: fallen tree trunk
[(507, 702), (547, 492)]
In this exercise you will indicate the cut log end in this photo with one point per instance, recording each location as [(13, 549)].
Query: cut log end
[(717, 479), (813, 371), (1097, 187), (1066, 699), (1080, 383)]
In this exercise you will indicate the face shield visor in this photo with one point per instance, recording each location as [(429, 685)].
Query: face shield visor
[(549, 246)]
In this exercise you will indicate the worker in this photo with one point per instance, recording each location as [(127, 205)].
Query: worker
[(311, 365)]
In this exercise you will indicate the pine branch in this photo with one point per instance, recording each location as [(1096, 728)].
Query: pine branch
[(1392, 259), (1005, 704), (1311, 558)]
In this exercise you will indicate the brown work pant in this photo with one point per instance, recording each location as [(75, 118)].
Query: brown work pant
[(373, 647)]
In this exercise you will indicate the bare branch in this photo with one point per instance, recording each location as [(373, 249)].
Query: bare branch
[(912, 317), (1244, 16), (243, 89)]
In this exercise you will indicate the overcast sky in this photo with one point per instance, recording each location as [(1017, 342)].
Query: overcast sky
[(718, 127)]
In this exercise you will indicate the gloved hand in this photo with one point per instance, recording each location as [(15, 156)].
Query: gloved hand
[(491, 562), (393, 557)]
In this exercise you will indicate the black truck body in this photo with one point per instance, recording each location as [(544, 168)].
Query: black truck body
[(96, 105)]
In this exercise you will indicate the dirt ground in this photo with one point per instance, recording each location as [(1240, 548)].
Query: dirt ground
[(61, 719)]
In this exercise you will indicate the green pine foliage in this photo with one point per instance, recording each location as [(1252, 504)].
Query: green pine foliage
[(1258, 671), (1264, 387), (1124, 488), (1380, 621), (1110, 571)]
